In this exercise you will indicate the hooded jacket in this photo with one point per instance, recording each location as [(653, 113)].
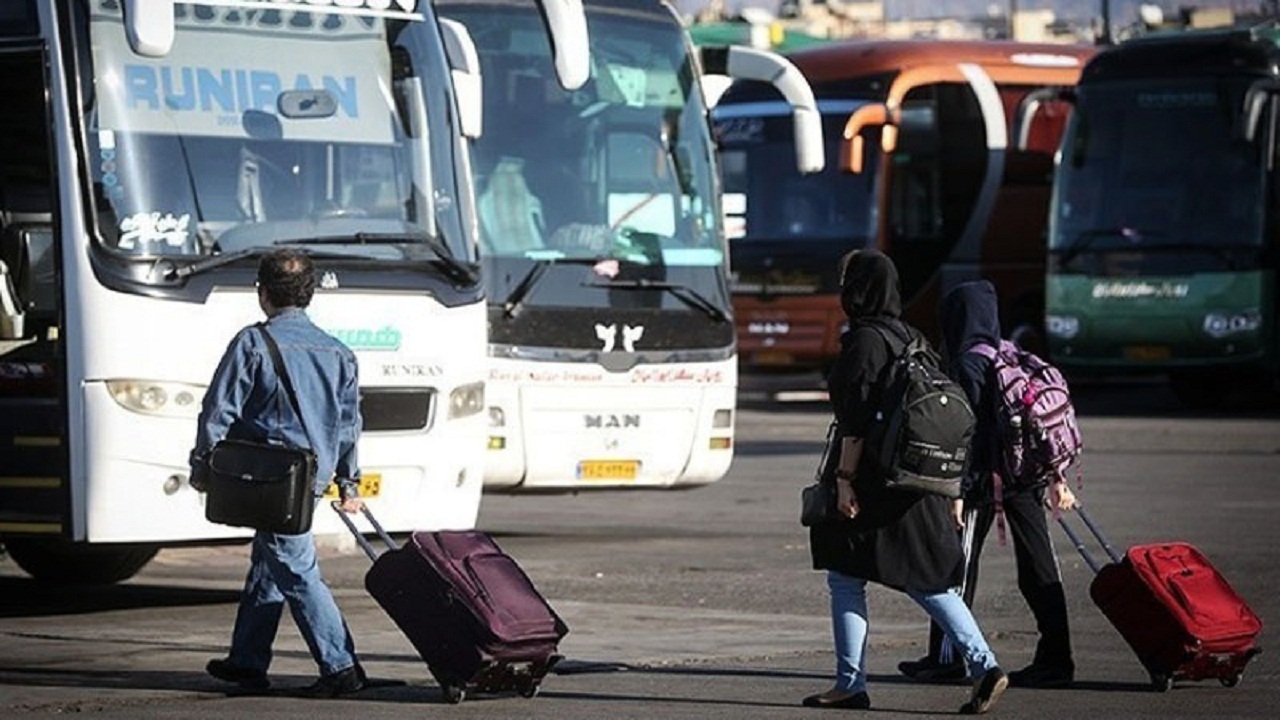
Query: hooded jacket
[(970, 317)]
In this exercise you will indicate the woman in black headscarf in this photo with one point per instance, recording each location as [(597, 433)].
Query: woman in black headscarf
[(903, 540), (971, 321)]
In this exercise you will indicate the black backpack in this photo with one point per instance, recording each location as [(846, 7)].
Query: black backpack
[(922, 426)]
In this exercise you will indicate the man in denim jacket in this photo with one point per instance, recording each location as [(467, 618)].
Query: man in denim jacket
[(246, 400)]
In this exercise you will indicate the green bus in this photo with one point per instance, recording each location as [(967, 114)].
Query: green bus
[(1164, 224)]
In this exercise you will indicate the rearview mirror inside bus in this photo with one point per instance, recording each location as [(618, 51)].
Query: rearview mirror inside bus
[(261, 125), (149, 26)]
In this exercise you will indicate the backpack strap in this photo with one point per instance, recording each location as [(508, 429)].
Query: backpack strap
[(986, 350)]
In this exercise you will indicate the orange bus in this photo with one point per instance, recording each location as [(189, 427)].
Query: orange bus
[(940, 153)]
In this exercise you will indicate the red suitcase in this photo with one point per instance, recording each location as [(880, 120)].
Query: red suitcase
[(468, 609), (1180, 616)]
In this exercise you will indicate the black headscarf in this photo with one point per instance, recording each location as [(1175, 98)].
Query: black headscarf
[(970, 316), (869, 286)]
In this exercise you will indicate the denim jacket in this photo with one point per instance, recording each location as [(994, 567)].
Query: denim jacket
[(247, 401)]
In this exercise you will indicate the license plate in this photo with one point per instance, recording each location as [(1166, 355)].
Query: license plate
[(773, 357), (370, 486), (608, 469), (1146, 353)]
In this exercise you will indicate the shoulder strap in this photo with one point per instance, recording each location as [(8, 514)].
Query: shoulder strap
[(283, 373), (828, 452), (882, 330), (986, 350)]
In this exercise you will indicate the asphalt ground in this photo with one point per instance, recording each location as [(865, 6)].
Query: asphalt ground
[(697, 604)]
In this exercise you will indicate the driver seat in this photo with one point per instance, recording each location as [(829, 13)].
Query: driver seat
[(510, 214)]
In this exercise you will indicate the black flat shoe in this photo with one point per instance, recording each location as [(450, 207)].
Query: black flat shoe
[(225, 671), (344, 682), (986, 691), (856, 701)]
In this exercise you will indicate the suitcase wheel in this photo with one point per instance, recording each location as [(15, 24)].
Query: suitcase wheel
[(530, 689), (1231, 680), (454, 694), (1161, 682)]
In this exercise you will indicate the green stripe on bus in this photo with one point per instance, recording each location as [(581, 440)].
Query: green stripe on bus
[(44, 528), (30, 482)]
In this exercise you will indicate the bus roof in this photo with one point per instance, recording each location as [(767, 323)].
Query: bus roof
[(1200, 52), (879, 69), (842, 60)]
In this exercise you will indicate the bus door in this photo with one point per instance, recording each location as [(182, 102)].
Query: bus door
[(34, 477)]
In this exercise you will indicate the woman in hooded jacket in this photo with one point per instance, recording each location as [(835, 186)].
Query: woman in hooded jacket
[(901, 540), (970, 318)]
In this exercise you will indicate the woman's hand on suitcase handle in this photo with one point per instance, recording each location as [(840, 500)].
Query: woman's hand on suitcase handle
[(1060, 495)]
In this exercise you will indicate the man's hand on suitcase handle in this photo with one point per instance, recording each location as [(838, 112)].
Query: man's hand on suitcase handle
[(351, 505)]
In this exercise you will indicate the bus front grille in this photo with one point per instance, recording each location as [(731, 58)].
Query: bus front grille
[(388, 409)]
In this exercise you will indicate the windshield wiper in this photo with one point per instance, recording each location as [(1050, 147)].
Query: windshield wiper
[(1085, 239), (683, 293), (211, 263), (456, 268), (1221, 252), (515, 299)]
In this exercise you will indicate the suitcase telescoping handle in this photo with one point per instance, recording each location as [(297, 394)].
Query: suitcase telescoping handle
[(1097, 533), (360, 538)]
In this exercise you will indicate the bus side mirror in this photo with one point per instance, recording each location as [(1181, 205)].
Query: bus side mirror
[(855, 146), (1038, 125), (149, 26), (1255, 101), (468, 86), (745, 63), (566, 24)]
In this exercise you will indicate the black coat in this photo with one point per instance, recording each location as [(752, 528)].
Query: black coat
[(899, 539)]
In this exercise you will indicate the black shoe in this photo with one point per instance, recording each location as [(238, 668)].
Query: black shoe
[(343, 682), (927, 669), (986, 690), (244, 677), (856, 701), (1037, 675)]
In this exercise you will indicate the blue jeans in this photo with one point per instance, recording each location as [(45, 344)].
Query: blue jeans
[(284, 568), (849, 627)]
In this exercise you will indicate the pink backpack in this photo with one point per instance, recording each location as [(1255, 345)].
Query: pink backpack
[(1037, 433)]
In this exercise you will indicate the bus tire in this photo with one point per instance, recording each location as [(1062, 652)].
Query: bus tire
[(58, 562)]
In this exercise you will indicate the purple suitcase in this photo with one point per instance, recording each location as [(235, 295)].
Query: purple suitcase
[(468, 609)]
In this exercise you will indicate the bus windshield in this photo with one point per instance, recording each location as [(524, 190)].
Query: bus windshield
[(1158, 164), (266, 127), (619, 171), (767, 199)]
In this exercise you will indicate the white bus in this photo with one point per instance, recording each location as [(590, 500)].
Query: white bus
[(613, 361), (153, 151)]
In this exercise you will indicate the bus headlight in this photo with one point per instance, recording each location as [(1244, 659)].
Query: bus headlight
[(1062, 326), (466, 400), (1220, 325), (167, 399)]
